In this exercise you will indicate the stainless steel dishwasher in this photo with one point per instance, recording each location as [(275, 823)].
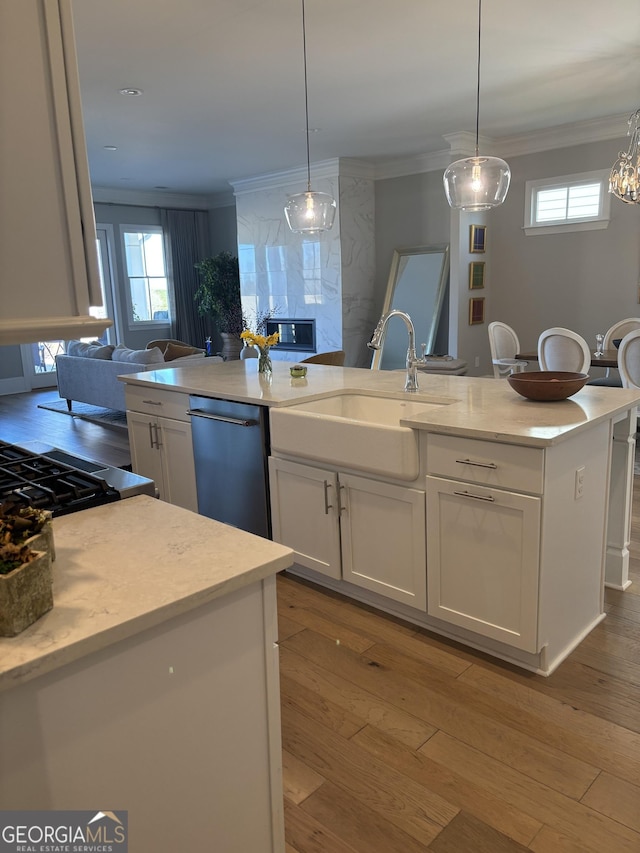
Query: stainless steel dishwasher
[(230, 450)]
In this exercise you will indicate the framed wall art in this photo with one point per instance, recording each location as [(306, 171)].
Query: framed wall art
[(476, 310), (477, 239), (476, 275)]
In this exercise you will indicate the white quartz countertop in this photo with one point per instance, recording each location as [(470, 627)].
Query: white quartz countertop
[(128, 566), (478, 407)]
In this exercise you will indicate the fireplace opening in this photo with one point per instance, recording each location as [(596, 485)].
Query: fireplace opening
[(295, 334)]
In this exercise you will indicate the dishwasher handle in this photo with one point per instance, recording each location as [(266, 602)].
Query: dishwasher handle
[(244, 422)]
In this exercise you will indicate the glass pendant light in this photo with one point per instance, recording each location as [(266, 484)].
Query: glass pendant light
[(310, 212), (624, 180), (477, 183)]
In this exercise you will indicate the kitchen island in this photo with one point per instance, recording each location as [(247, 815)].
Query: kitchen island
[(499, 527), (152, 686)]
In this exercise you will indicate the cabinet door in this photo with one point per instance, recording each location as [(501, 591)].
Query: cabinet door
[(145, 456), (179, 476), (304, 515), (46, 291), (383, 539), (483, 558)]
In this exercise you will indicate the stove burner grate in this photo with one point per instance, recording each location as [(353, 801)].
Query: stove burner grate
[(38, 481)]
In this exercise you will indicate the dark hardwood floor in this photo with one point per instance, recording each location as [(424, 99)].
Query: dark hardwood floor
[(21, 420), (397, 741)]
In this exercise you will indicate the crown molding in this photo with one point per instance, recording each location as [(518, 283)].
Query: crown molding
[(462, 144), (151, 198), (564, 136), (325, 169), (291, 177)]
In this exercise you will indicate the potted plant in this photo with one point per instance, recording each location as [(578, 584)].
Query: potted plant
[(218, 297), (26, 551)]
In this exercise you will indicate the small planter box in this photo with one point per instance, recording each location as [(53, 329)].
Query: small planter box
[(43, 541), (26, 594)]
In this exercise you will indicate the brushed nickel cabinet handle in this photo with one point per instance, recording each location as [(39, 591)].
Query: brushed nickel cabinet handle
[(327, 505), (340, 506), (477, 464), (475, 497)]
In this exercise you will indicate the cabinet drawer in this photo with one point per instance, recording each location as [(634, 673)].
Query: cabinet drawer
[(507, 466), (152, 401)]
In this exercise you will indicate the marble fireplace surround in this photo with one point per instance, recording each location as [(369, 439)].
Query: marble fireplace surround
[(328, 278)]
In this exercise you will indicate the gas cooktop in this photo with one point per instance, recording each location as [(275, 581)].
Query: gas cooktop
[(62, 483)]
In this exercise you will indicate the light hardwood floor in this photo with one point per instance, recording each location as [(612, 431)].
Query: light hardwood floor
[(398, 741)]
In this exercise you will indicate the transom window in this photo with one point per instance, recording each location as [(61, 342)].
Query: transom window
[(146, 270), (568, 203)]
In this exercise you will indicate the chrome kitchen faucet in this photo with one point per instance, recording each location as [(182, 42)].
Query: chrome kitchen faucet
[(411, 382)]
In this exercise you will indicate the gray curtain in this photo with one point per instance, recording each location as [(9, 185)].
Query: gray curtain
[(187, 242)]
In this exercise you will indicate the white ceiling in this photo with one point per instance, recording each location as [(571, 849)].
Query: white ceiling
[(224, 94)]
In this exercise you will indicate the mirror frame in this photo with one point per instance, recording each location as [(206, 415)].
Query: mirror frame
[(441, 286)]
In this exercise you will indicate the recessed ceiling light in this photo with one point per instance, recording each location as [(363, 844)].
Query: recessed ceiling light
[(110, 147), (133, 92)]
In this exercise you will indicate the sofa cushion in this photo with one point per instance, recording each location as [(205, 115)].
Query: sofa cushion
[(172, 351), (137, 356), (92, 349)]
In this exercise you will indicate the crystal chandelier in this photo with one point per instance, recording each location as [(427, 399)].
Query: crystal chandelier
[(310, 212), (477, 183), (624, 180)]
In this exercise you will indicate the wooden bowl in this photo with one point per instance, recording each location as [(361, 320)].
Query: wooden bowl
[(547, 385)]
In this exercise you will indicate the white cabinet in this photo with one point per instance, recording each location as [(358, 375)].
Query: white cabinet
[(483, 558), (48, 258), (160, 439), (483, 545), (304, 514), (367, 532), (516, 538), (205, 761)]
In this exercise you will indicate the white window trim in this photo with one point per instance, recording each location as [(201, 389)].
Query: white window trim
[(600, 176)]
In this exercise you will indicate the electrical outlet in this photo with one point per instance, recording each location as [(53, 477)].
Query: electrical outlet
[(477, 361), (579, 490)]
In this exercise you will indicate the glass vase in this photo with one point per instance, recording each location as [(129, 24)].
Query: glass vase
[(264, 362)]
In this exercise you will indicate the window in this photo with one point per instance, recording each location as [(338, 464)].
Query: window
[(146, 271), (568, 203)]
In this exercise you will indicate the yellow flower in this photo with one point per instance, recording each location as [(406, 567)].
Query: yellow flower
[(260, 341)]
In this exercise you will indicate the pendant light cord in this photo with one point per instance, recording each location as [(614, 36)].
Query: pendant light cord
[(478, 86), (306, 96)]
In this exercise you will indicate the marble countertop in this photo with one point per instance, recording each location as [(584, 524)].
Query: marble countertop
[(126, 567), (478, 407)]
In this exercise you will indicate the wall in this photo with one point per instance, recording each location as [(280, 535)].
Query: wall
[(410, 211), (11, 378), (223, 229), (584, 280)]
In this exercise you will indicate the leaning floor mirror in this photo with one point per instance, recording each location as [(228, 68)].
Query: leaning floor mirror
[(417, 283)]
